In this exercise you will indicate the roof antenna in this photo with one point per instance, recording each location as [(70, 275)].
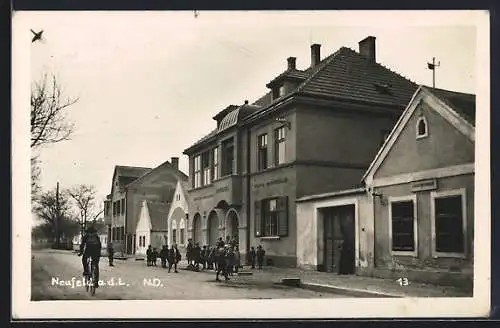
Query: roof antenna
[(432, 66)]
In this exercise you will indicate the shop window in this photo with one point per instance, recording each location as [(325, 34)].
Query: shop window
[(403, 224), (271, 217), (449, 222)]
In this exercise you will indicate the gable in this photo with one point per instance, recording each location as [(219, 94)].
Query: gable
[(444, 146), (144, 222), (179, 200)]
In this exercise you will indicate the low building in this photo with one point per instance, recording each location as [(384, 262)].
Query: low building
[(152, 226), (415, 214), (178, 217)]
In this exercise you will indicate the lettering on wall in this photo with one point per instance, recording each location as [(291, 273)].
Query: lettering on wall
[(270, 183), (424, 185), (222, 189), (202, 197)]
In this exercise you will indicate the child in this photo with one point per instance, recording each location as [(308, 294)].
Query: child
[(260, 256), (163, 256), (111, 252), (251, 257), (154, 256), (148, 255)]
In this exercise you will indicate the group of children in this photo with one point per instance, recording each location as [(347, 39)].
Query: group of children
[(224, 257), (170, 255)]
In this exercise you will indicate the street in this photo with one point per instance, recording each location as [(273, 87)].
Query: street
[(56, 276)]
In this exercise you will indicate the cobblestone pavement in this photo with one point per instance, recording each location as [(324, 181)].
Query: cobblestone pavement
[(126, 281)]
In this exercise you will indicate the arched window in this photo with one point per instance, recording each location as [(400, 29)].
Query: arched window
[(422, 129), (174, 232), (182, 231)]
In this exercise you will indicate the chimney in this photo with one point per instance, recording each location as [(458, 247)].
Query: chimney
[(367, 48), (175, 162), (246, 102), (315, 54), (291, 62)]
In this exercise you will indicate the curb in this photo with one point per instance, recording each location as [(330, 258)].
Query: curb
[(346, 291)]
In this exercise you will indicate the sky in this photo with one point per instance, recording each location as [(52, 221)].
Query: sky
[(149, 83)]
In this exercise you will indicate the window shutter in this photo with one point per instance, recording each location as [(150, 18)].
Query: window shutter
[(282, 206), (258, 219)]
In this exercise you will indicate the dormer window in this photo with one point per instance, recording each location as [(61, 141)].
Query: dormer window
[(281, 91), (422, 129)]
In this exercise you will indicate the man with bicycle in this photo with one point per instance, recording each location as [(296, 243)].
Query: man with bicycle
[(91, 248)]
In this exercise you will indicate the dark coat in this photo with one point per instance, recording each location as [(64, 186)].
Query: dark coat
[(174, 256)]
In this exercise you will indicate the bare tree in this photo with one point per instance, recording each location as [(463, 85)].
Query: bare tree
[(35, 178), (84, 198), (51, 208), (49, 122)]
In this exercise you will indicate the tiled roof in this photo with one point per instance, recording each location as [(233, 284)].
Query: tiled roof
[(181, 175), (158, 214), (289, 73), (265, 100), (348, 75), (345, 75), (131, 171), (463, 103)]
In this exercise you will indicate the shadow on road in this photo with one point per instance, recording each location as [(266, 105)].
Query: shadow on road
[(261, 285)]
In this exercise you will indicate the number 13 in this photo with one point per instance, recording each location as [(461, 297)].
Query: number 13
[(403, 281)]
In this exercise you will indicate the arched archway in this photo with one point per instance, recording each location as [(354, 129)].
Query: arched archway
[(213, 228), (223, 205), (232, 224), (197, 237)]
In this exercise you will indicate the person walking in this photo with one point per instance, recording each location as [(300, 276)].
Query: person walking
[(149, 251), (154, 257), (237, 260), (251, 257), (163, 256), (189, 251), (111, 253), (197, 256), (260, 256), (221, 264), (174, 257)]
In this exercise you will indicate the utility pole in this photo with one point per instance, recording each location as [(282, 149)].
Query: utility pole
[(57, 216), (432, 66)]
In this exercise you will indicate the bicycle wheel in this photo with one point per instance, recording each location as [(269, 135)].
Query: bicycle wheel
[(93, 280)]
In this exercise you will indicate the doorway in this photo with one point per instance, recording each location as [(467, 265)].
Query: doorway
[(213, 228), (232, 225), (197, 229), (339, 239)]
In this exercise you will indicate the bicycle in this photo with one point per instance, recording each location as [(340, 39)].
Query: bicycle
[(91, 280)]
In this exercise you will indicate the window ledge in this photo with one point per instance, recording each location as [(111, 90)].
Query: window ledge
[(404, 253), (422, 136), (451, 255), (270, 238)]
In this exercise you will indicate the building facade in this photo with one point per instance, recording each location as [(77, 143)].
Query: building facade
[(178, 217), (315, 131), (414, 216), (152, 228), (131, 186)]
